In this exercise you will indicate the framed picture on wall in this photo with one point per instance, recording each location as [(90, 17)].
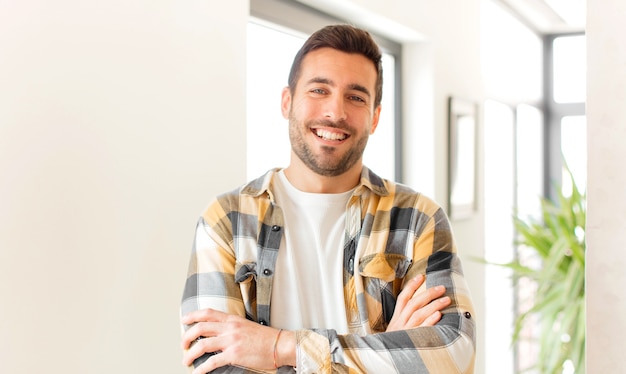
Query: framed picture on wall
[(462, 155)]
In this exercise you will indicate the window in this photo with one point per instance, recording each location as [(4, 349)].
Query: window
[(569, 69), (270, 52), (499, 125), (566, 89), (273, 41), (513, 133), (574, 149), (530, 129)]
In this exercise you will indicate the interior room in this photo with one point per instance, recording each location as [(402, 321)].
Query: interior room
[(121, 120)]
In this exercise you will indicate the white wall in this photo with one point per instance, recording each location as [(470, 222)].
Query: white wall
[(606, 201), (111, 117), (118, 120)]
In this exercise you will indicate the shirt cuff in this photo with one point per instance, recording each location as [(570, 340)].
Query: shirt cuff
[(312, 352)]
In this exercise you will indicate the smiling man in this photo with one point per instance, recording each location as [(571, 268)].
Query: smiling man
[(330, 119), (323, 266)]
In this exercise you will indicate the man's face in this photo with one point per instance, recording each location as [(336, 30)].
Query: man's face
[(331, 113)]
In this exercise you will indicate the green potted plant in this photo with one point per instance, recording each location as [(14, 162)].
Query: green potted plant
[(557, 241)]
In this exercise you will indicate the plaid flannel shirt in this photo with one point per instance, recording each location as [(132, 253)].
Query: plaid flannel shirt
[(392, 235)]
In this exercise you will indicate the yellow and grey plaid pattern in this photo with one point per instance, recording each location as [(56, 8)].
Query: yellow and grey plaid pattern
[(392, 235)]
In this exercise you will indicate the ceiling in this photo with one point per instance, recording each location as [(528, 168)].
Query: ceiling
[(550, 16)]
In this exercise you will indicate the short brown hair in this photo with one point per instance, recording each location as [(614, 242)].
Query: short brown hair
[(344, 38)]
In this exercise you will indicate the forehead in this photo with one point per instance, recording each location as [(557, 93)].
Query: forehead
[(338, 66)]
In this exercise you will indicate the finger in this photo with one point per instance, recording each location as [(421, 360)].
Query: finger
[(432, 319), (423, 298), (199, 348), (201, 315), (205, 367), (188, 338), (419, 317), (192, 353), (199, 330), (409, 290), (413, 307), (194, 350), (212, 363), (411, 300), (202, 369)]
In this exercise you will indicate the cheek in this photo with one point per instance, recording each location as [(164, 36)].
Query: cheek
[(372, 128), (364, 119), (303, 109)]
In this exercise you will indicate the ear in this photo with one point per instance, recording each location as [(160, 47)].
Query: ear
[(285, 102), (375, 119)]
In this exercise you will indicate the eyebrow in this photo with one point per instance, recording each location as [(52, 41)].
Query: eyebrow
[(353, 86)]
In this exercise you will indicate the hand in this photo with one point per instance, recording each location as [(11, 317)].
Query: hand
[(418, 309), (237, 340)]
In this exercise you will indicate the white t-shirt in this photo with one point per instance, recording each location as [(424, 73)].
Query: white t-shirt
[(307, 291)]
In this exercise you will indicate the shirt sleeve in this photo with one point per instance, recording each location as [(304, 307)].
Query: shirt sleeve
[(210, 279), (216, 279), (211, 276), (448, 347)]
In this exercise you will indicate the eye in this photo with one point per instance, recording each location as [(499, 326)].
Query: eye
[(357, 98), (319, 91)]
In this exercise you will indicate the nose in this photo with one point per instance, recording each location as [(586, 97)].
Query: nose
[(334, 108)]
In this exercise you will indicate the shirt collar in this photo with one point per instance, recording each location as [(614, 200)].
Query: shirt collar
[(369, 181)]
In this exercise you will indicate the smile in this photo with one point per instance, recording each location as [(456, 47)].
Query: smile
[(330, 135)]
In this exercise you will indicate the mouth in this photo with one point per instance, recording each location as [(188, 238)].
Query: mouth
[(330, 134)]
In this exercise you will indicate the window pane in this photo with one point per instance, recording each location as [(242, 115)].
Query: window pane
[(570, 66), (529, 160), (499, 203), (270, 53), (379, 155), (574, 148), (529, 189)]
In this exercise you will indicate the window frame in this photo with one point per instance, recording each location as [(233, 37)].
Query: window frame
[(553, 114)]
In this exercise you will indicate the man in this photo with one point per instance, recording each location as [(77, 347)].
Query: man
[(317, 266)]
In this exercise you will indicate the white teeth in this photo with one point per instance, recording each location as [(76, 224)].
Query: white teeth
[(329, 135)]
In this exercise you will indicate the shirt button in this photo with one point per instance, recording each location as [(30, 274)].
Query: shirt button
[(275, 228), (467, 315), (262, 322), (267, 272)]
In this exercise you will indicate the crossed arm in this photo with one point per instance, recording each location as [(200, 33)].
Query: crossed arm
[(427, 331), (244, 343)]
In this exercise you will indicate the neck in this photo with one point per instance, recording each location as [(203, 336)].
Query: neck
[(306, 180)]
